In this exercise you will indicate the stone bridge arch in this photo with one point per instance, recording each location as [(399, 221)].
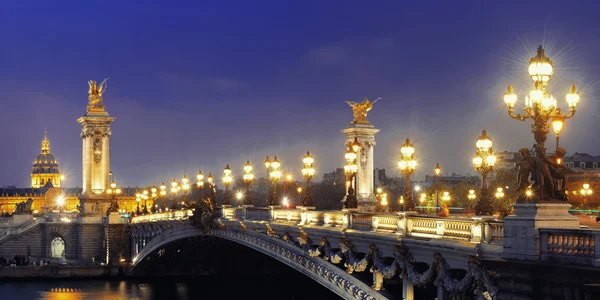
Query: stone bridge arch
[(326, 274)]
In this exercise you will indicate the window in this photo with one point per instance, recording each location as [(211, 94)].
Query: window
[(582, 165), (595, 165)]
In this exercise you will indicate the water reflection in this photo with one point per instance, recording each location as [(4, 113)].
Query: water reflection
[(164, 288)]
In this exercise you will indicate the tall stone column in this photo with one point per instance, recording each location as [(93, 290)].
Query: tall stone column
[(95, 134), (365, 133)]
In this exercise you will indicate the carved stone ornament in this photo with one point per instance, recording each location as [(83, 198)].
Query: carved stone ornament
[(97, 149)]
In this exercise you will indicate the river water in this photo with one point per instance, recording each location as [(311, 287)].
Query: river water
[(201, 287)]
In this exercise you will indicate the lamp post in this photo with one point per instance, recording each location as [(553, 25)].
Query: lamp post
[(185, 187), (288, 180), (407, 165), (174, 191), (248, 177), (200, 184), (113, 191), (212, 190), (308, 172), (585, 192), (153, 195), (267, 166), (437, 171), (350, 170), (227, 178), (163, 194), (484, 162), (541, 107), (445, 196), (275, 174), (471, 195), (138, 198)]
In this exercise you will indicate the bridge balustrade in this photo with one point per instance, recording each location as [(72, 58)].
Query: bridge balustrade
[(580, 246)]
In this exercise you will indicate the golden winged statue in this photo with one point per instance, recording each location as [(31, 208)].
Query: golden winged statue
[(360, 109), (95, 95)]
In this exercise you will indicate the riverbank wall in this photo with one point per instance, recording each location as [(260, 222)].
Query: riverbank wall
[(57, 271)]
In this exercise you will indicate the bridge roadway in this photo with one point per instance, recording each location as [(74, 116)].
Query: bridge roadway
[(329, 246)]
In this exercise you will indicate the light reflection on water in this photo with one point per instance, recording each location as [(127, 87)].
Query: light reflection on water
[(93, 290)]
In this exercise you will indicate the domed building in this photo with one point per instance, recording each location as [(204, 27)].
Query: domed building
[(45, 171)]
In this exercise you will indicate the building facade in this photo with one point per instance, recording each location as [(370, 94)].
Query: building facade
[(45, 168), (335, 177)]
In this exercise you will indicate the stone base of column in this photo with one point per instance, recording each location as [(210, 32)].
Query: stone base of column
[(367, 204), (521, 230), (95, 206)]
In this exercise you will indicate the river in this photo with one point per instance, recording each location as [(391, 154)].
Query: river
[(200, 287)]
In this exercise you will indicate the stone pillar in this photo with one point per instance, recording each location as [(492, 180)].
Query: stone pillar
[(521, 230), (95, 134), (365, 133)]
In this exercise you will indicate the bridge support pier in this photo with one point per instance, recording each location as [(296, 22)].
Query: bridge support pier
[(408, 290), (442, 294)]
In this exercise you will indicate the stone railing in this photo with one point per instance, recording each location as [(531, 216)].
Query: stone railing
[(406, 224), (580, 246), (163, 216)]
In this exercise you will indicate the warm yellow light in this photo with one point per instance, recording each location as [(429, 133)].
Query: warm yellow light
[(200, 176), (113, 185), (239, 195), (299, 189), (275, 163), (423, 197), (355, 145), (174, 183), (379, 190), (586, 186), (589, 192), (401, 200), (153, 189), (286, 202), (540, 67), (288, 177), (248, 167), (209, 178), (484, 143), (308, 159), (437, 169), (227, 171), (477, 161), (402, 165), (275, 174), (60, 200), (417, 188), (528, 193), (490, 160), (510, 98), (145, 192), (109, 191), (267, 162), (118, 191), (350, 156), (62, 177), (163, 187), (573, 97), (445, 196)]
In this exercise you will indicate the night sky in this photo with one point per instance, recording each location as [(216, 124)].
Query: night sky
[(202, 84)]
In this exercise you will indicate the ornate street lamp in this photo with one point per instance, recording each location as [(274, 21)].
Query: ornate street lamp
[(350, 170), (585, 193), (163, 194), (212, 189), (138, 198), (185, 187), (407, 165), (267, 167), (541, 107), (200, 180), (248, 177), (288, 180), (174, 191), (471, 195), (275, 175), (227, 179), (422, 198), (437, 171), (113, 191), (308, 172), (153, 197), (484, 162)]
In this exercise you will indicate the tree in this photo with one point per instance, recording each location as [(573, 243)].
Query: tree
[(459, 196)]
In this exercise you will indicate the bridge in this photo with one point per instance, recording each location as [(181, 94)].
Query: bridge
[(458, 257)]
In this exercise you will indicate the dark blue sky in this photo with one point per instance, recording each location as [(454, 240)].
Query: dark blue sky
[(201, 84)]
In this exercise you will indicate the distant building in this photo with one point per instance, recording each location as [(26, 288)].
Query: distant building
[(335, 177), (379, 177), (453, 180)]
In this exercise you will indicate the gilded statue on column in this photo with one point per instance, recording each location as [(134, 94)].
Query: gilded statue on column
[(360, 109), (95, 95)]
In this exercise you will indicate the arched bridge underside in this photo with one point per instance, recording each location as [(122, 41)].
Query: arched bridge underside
[(326, 274)]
